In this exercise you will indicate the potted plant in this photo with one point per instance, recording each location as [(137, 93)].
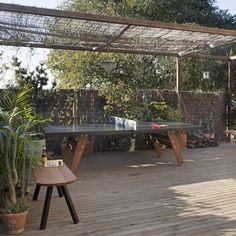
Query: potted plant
[(18, 152), (208, 128)]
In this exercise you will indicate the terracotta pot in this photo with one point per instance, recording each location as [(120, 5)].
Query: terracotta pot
[(14, 223)]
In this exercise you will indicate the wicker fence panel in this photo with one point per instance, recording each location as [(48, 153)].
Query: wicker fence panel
[(89, 107), (205, 106), (147, 96)]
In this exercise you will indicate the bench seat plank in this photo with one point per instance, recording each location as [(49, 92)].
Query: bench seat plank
[(53, 176)]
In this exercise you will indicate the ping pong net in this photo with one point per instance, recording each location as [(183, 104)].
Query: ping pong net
[(122, 122)]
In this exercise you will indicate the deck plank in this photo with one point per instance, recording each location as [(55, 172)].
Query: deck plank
[(137, 194)]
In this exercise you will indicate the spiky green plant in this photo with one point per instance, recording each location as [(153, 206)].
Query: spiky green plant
[(18, 142)]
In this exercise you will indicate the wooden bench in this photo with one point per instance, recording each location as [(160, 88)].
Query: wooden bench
[(54, 177)]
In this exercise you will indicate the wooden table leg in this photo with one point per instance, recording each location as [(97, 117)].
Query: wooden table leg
[(177, 142), (66, 152), (79, 150), (157, 147)]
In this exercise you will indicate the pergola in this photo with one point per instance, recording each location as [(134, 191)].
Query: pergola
[(56, 29)]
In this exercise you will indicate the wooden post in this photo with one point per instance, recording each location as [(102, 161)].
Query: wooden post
[(75, 108), (178, 83), (229, 97)]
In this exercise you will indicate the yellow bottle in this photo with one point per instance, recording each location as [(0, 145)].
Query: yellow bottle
[(45, 159)]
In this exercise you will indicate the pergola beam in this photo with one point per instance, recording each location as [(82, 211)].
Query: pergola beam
[(117, 35), (113, 39), (70, 47), (112, 50), (207, 56), (113, 19)]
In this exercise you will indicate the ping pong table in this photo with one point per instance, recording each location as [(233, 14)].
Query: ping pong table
[(176, 132)]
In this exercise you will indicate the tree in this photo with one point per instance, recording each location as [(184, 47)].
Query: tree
[(36, 79), (76, 69), (137, 72), (82, 69), (201, 12)]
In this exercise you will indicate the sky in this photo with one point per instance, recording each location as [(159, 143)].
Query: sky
[(229, 5), (31, 58)]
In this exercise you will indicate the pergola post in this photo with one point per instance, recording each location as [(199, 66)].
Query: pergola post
[(178, 83), (229, 95), (75, 108)]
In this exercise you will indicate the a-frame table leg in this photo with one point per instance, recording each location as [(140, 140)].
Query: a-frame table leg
[(157, 147), (66, 152), (178, 142), (79, 150)]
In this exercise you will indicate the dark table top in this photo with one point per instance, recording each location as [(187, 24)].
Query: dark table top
[(109, 129)]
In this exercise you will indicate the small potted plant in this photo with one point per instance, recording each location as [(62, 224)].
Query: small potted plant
[(18, 152), (208, 128)]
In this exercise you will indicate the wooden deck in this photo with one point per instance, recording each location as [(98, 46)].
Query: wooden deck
[(137, 194)]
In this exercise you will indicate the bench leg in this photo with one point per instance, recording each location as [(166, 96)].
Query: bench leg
[(36, 192), (59, 191), (70, 204), (46, 208)]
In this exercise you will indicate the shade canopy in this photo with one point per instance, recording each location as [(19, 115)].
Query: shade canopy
[(48, 28)]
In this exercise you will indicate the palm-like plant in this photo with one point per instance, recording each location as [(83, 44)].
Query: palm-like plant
[(18, 141)]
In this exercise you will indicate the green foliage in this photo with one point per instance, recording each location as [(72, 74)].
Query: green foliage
[(36, 79), (121, 101), (6, 207), (192, 74), (136, 71), (202, 12), (161, 111), (18, 143), (117, 102), (174, 115), (208, 126)]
